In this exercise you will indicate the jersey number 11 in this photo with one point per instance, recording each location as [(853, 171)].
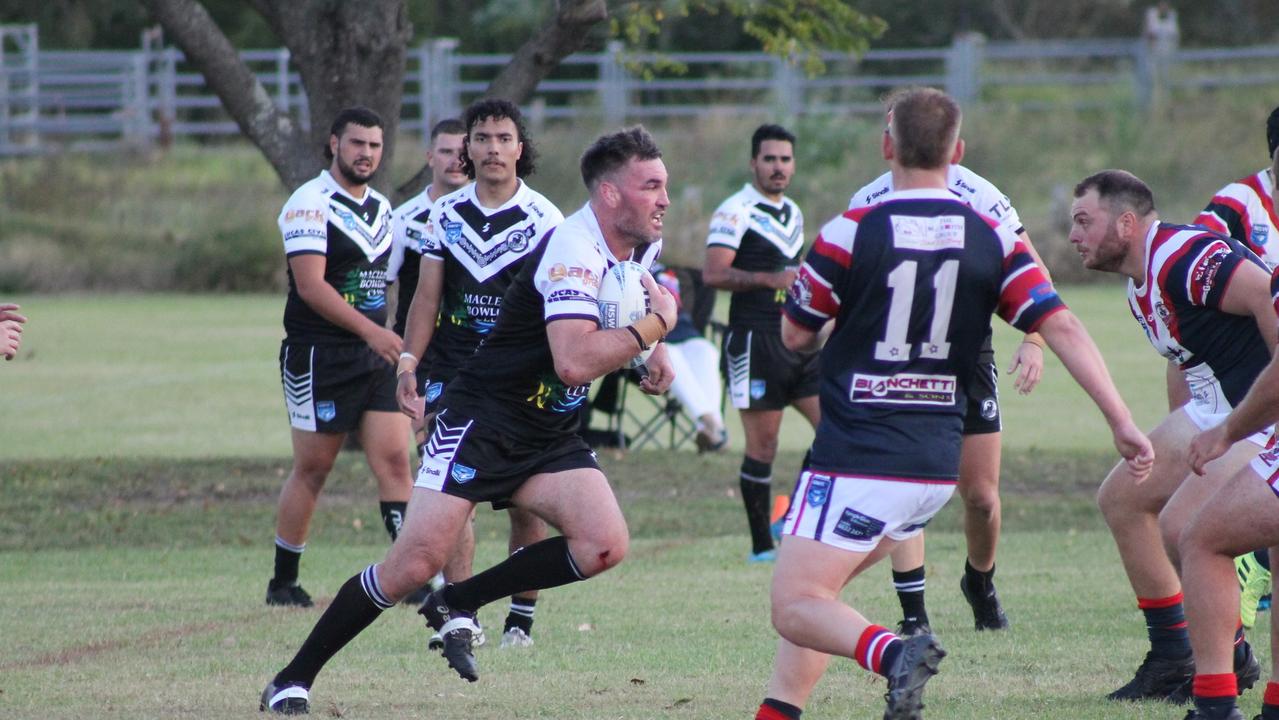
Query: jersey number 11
[(901, 282)]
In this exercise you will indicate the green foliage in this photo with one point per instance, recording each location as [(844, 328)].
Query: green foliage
[(795, 30)]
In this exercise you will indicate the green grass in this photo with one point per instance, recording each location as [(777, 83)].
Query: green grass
[(133, 590), (185, 376)]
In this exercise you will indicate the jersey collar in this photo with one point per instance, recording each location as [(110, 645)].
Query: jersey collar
[(521, 191), (328, 178), (592, 223), (919, 194), (758, 197)]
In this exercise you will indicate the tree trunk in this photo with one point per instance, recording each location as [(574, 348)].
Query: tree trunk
[(279, 138), (348, 53), (561, 36)]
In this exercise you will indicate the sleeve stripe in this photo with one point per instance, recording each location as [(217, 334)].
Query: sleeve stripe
[(1012, 276)]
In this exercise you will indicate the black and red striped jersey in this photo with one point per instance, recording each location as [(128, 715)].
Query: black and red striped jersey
[(1179, 307), (1245, 210), (911, 283)]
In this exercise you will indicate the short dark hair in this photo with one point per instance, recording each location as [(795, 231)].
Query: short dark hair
[(448, 126), (924, 127), (496, 109), (769, 132), (358, 115), (1272, 132), (1121, 190), (612, 151)]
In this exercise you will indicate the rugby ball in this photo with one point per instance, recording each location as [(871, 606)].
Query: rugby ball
[(623, 300)]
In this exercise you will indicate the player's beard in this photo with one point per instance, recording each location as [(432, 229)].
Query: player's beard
[(774, 183), (638, 229), (1110, 253), (352, 175)]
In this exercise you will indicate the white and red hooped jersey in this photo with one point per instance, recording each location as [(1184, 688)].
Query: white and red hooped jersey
[(912, 283), (1179, 308), (1245, 210)]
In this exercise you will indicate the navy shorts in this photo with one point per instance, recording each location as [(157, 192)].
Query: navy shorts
[(982, 415), (328, 388), (763, 374), (480, 463)]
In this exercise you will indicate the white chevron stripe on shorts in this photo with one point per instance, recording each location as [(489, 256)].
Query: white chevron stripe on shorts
[(298, 394), (739, 373)]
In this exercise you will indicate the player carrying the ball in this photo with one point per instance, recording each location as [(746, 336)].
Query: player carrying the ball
[(507, 429)]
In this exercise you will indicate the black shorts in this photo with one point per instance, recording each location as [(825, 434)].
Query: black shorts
[(982, 415), (480, 463), (430, 389), (762, 374), (328, 388)]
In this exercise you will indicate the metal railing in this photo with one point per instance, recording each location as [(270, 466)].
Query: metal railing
[(85, 99)]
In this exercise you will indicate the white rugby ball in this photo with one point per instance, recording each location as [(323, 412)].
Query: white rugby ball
[(623, 300)]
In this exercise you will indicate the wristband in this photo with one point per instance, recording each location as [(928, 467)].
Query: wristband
[(408, 355), (650, 329), (638, 340)]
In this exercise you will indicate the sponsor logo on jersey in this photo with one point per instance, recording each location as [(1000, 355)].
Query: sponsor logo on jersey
[(727, 220), (559, 271), (434, 390), (1162, 311), (818, 491), (1260, 233), (930, 234), (326, 410), (878, 193), (452, 231), (757, 389), (1205, 273), (959, 183), (308, 215), (858, 526), (462, 474), (904, 389)]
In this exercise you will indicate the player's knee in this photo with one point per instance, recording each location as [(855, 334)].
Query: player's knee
[(601, 552), (980, 500), (311, 474)]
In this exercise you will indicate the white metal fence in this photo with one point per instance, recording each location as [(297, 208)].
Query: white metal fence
[(83, 99)]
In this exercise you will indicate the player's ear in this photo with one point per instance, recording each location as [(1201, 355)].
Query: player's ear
[(334, 141), (957, 156), (886, 145)]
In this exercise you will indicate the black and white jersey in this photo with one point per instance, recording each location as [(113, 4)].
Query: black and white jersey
[(912, 283), (482, 250), (510, 382), (967, 186), (354, 235), (412, 229), (767, 237)]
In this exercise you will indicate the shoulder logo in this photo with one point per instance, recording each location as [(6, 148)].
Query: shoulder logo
[(1260, 233)]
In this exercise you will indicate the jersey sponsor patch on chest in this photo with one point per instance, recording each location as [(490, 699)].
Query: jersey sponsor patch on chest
[(930, 234), (903, 389)]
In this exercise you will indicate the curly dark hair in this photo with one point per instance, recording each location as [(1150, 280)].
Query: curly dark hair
[(496, 109)]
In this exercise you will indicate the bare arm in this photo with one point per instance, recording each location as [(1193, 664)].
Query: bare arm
[(720, 273), (798, 338), (419, 324), (308, 274), (1248, 293), (582, 351), (1258, 409), (1070, 341), (1028, 359)]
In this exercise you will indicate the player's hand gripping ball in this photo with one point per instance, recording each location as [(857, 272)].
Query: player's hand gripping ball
[(623, 300)]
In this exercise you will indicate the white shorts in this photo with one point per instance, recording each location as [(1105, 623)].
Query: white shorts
[(1207, 421), (855, 513)]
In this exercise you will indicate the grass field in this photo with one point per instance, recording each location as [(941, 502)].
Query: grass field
[(143, 441), (187, 376)]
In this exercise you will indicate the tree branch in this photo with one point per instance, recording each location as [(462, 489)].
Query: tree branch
[(561, 36), (245, 99)]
